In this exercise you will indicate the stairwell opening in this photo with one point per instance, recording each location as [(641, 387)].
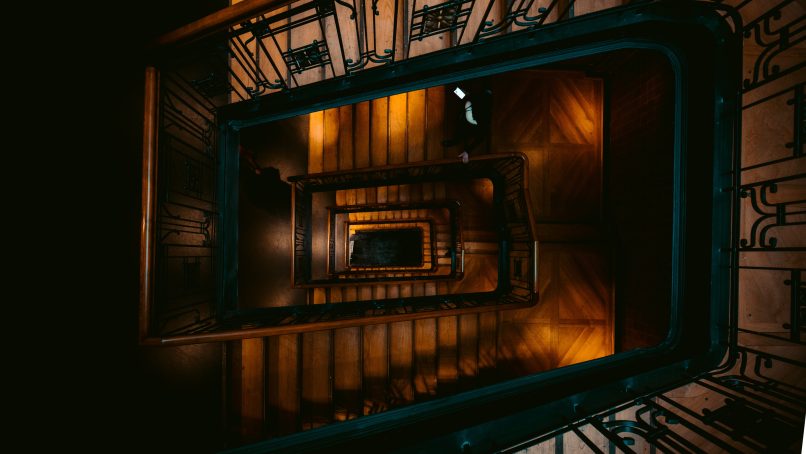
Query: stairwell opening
[(598, 134)]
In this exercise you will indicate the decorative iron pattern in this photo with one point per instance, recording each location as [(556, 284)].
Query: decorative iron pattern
[(794, 97), (520, 235), (755, 401), (797, 306), (266, 63), (347, 36), (186, 212), (374, 44), (776, 31), (258, 57), (311, 56), (525, 14), (302, 234), (186, 116), (773, 215), (212, 85), (211, 77), (185, 224), (771, 208), (735, 408), (431, 20)]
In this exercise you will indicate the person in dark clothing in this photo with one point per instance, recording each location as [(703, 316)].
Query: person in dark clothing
[(264, 187), (248, 160), (475, 121)]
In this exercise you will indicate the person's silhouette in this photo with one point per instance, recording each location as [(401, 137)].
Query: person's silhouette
[(264, 187), (474, 124)]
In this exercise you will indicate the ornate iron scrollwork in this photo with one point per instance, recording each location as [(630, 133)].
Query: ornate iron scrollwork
[(518, 14), (770, 215), (443, 17), (306, 57), (774, 39)]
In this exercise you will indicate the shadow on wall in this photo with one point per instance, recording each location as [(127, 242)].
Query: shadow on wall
[(270, 153), (265, 189)]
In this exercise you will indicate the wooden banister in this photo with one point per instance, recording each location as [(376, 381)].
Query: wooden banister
[(248, 333), (149, 195), (217, 21)]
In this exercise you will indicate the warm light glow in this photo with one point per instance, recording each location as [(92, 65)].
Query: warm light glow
[(315, 141)]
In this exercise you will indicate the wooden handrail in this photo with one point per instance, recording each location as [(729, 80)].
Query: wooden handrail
[(149, 195), (216, 21), (532, 226), (235, 334), (406, 165)]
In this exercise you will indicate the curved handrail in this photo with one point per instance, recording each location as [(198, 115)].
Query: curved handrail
[(216, 21)]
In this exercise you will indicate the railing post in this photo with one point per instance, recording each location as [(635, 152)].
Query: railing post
[(794, 300), (535, 267), (149, 195)]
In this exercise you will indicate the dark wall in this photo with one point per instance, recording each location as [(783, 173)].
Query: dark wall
[(139, 399), (280, 150), (638, 182)]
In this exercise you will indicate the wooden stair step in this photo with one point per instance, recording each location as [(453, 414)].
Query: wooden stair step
[(347, 392), (476, 247), (443, 238), (316, 379), (479, 235)]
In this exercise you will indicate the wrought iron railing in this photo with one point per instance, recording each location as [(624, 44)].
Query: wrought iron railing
[(735, 408), (755, 400), (771, 216), (258, 47), (186, 218)]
